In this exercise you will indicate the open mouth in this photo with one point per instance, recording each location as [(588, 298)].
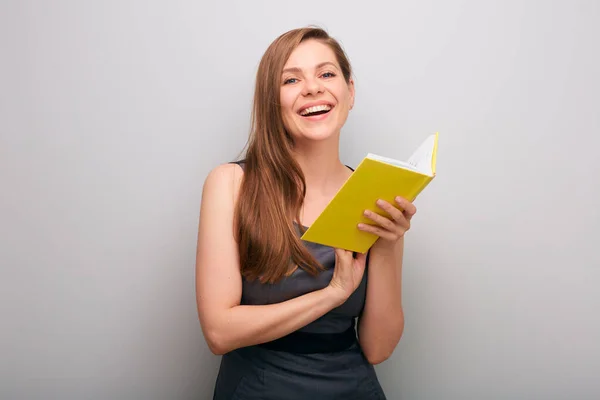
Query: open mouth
[(315, 110)]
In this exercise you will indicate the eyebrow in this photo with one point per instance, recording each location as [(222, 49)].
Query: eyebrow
[(321, 65)]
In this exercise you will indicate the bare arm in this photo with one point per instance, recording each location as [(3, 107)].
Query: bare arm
[(226, 324), (382, 322)]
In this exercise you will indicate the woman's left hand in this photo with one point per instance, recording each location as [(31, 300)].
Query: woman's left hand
[(393, 228)]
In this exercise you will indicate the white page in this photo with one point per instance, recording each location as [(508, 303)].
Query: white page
[(420, 161), (391, 161), (422, 157)]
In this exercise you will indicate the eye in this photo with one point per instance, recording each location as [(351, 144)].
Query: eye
[(291, 80), (328, 75)]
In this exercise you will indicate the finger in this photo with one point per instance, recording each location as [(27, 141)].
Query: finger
[(380, 220), (408, 207), (390, 209), (376, 230), (398, 216)]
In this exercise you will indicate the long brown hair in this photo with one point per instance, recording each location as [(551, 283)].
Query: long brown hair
[(273, 186)]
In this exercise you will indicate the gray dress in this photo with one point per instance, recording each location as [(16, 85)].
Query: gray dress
[(322, 360)]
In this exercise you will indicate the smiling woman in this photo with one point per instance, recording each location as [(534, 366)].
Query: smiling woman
[(317, 87), (282, 311)]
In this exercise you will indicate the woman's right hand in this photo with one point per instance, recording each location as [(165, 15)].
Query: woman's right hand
[(348, 273)]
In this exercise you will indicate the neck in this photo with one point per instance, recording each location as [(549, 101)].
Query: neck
[(320, 163)]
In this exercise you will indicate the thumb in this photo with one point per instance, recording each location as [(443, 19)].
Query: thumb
[(338, 252), (341, 254)]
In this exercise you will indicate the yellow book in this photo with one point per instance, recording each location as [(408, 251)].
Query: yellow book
[(375, 178)]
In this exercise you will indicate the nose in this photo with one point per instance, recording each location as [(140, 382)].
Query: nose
[(312, 86)]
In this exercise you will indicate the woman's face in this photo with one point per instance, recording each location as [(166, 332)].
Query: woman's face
[(315, 98)]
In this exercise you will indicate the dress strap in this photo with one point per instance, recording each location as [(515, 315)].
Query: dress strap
[(241, 163)]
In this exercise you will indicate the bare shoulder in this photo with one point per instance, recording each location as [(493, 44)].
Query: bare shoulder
[(223, 182)]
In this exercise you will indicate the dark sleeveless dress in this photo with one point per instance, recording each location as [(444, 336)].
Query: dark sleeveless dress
[(322, 360)]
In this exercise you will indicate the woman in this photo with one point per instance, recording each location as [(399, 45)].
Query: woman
[(282, 311)]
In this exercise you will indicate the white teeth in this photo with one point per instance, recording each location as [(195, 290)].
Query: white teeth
[(313, 109)]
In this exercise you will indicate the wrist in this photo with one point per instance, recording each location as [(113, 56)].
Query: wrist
[(386, 248), (335, 296)]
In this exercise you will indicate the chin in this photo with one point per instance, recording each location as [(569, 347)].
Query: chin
[(316, 130), (318, 135), (314, 133)]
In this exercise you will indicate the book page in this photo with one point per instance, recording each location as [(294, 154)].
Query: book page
[(391, 161), (422, 157)]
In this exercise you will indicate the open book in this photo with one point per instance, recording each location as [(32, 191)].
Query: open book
[(375, 178)]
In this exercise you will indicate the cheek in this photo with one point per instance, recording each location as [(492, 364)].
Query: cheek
[(342, 94), (287, 101)]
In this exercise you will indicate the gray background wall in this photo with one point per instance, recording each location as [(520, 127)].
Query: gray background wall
[(113, 112)]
